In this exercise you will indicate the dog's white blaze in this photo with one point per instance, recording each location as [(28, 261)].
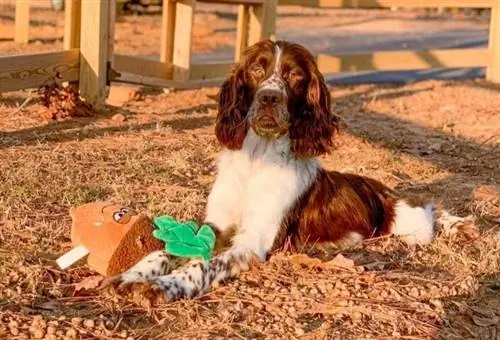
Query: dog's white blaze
[(277, 64)]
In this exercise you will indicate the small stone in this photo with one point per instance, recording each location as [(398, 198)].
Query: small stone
[(326, 326), (71, 333), (14, 331), (120, 95), (119, 118), (51, 330), (88, 323), (76, 321), (123, 334), (414, 292), (299, 331), (109, 324), (38, 333)]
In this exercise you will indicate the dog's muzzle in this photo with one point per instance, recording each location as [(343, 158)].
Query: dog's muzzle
[(267, 126)]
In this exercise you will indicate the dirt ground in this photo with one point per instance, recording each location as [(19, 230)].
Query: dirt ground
[(440, 137)]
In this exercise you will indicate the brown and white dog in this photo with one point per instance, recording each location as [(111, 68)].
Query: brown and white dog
[(274, 119)]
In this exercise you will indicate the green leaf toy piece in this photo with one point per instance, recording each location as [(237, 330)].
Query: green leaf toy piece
[(184, 239)]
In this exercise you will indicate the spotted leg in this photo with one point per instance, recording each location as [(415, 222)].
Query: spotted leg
[(270, 194)]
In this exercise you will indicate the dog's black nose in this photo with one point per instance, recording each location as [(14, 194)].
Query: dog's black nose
[(269, 97)]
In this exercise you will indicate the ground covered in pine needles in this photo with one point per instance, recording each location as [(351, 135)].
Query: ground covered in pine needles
[(154, 150), (156, 153)]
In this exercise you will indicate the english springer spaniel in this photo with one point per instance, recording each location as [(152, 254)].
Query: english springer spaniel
[(274, 119)]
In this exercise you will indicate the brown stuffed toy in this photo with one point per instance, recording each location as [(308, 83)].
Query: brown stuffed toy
[(114, 237)]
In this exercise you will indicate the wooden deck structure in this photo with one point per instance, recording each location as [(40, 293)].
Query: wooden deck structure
[(94, 65)]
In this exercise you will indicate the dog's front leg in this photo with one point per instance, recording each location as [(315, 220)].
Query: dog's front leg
[(270, 195)]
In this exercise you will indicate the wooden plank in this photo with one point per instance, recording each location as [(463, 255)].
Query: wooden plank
[(404, 60), (72, 24), (22, 22), (19, 72), (256, 24), (271, 11), (388, 3), (493, 70), (381, 61), (166, 83), (182, 39), (168, 32), (93, 51), (210, 70), (241, 31), (141, 66)]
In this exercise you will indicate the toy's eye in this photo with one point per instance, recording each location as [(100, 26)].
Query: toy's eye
[(117, 216), (121, 216)]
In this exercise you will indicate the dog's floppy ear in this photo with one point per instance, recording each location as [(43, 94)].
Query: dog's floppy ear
[(233, 103), (313, 126)]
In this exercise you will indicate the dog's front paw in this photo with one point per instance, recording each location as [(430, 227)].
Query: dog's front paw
[(143, 293)]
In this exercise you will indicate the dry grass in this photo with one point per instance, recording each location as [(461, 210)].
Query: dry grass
[(160, 160)]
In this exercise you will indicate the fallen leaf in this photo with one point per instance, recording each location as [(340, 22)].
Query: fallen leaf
[(90, 282), (339, 262), (305, 260)]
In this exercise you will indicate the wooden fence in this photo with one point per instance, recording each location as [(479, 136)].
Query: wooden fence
[(89, 58)]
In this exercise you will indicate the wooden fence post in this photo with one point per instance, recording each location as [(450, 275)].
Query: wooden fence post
[(262, 23), (72, 23), (22, 22), (94, 50), (183, 32), (168, 32), (241, 31), (493, 71), (271, 9)]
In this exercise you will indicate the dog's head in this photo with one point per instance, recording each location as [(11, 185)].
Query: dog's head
[(277, 89)]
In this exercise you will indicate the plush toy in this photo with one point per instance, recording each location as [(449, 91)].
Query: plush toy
[(185, 239), (114, 238)]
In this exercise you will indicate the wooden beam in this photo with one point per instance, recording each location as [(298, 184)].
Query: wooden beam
[(493, 71), (379, 61), (93, 51), (181, 59), (166, 83), (207, 71), (22, 22), (404, 60), (26, 71), (72, 24), (271, 11), (168, 33), (141, 66), (241, 31), (256, 24), (388, 3)]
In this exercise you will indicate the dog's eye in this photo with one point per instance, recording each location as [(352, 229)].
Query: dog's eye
[(257, 72), (295, 75)]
